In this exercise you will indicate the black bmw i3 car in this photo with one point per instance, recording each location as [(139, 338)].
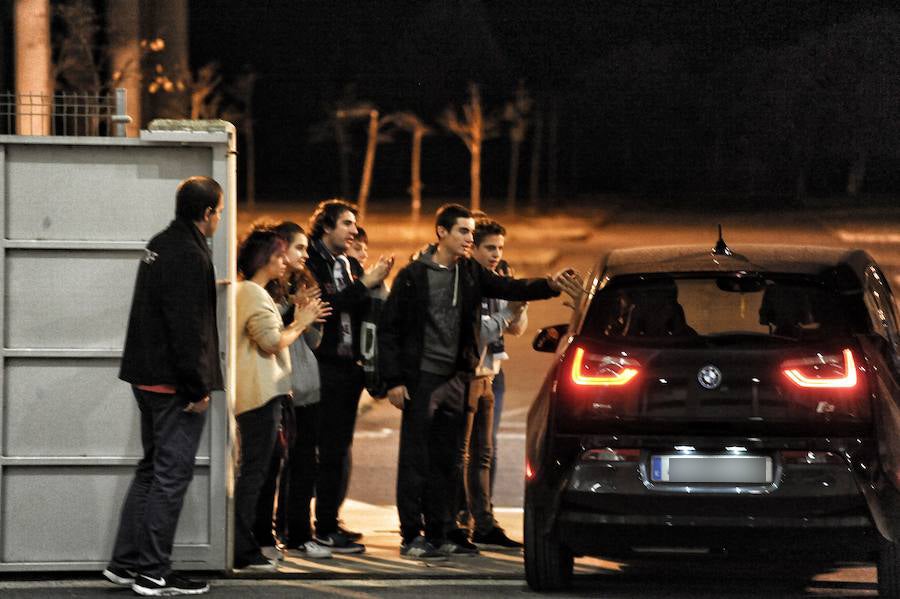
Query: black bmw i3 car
[(736, 401)]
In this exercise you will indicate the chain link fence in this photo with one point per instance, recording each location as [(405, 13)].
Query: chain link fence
[(65, 114)]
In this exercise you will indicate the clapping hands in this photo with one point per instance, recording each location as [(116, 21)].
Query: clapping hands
[(378, 272), (313, 310), (305, 295)]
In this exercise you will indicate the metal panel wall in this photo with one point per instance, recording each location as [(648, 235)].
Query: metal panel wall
[(75, 215)]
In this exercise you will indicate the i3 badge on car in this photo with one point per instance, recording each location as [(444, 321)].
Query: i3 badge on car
[(709, 377)]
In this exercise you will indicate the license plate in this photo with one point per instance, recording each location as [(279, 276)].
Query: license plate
[(711, 469)]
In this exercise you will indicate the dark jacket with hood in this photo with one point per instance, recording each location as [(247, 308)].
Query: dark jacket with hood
[(172, 336), (353, 299), (401, 329)]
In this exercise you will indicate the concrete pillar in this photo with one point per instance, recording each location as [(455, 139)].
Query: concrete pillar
[(123, 18), (33, 67)]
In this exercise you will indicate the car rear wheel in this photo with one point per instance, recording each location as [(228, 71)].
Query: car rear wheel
[(889, 570), (548, 563)]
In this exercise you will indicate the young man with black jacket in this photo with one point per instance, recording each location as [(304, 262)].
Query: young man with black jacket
[(345, 286), (171, 359), (428, 350)]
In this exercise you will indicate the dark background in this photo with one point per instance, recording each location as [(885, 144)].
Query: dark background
[(684, 101)]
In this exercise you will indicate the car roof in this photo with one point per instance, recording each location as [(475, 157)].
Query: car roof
[(799, 259)]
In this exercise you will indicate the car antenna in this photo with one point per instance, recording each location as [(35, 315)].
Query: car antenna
[(721, 248)]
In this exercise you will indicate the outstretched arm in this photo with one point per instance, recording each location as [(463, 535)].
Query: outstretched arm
[(493, 285)]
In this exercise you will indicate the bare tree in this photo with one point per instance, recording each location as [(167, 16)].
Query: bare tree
[(364, 110), (553, 155), (414, 125), (169, 21), (81, 63), (336, 127), (473, 129), (534, 184), (240, 113), (203, 87), (78, 61), (516, 114), (365, 182)]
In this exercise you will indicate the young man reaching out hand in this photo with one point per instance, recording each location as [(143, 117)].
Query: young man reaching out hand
[(428, 339)]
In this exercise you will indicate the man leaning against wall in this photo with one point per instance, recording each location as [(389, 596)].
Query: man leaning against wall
[(171, 359)]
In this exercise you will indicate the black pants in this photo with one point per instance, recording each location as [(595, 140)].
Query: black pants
[(428, 463), (270, 526), (283, 511), (170, 437), (301, 472), (258, 431), (342, 384)]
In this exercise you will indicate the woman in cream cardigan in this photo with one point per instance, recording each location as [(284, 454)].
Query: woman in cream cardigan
[(263, 378)]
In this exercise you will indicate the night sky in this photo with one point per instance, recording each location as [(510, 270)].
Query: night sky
[(652, 97)]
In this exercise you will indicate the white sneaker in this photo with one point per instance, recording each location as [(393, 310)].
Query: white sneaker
[(272, 553), (310, 550)]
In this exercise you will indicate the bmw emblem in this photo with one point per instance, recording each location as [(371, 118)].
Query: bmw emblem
[(709, 377)]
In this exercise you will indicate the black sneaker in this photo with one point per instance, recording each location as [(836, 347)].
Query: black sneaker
[(338, 543), (165, 586), (120, 576), (451, 549), (460, 536), (351, 535), (496, 538), (419, 548)]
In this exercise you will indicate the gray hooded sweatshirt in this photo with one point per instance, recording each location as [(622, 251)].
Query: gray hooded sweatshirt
[(443, 317)]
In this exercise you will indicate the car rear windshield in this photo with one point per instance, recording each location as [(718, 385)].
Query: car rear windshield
[(777, 306)]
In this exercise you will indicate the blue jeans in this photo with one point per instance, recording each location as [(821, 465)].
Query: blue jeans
[(499, 388), (170, 437)]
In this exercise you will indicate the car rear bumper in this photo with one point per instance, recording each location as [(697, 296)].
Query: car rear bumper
[(849, 538), (823, 507)]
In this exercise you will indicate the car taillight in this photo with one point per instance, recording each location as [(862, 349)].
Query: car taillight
[(601, 370), (833, 371)]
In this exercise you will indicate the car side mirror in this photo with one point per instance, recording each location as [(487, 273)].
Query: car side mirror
[(548, 338)]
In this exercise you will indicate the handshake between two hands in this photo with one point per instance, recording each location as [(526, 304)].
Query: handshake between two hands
[(570, 282)]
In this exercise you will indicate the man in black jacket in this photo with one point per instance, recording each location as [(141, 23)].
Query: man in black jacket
[(346, 288), (171, 359), (428, 349)]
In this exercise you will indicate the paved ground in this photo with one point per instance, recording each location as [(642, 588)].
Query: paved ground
[(537, 247)]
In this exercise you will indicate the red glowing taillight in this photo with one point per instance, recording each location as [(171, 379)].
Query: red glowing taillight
[(595, 370), (836, 371), (529, 472)]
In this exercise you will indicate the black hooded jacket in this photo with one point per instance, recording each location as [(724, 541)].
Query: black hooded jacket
[(401, 329), (353, 299), (172, 336)]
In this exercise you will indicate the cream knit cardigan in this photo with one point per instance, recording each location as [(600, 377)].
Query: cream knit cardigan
[(263, 371)]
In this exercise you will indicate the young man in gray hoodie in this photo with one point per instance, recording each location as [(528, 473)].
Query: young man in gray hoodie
[(428, 338)]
